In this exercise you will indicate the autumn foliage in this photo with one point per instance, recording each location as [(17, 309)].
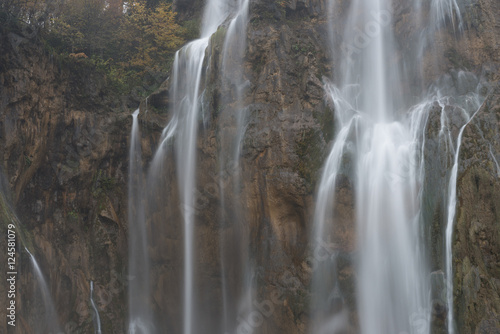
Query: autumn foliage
[(128, 39)]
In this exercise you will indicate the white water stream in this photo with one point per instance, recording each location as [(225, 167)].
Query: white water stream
[(383, 138), (140, 316), (51, 324), (181, 133), (379, 143), (96, 317)]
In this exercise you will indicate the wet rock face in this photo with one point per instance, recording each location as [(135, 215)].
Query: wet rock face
[(286, 139), (438, 161), (64, 151), (285, 143), (476, 245), (64, 144), (476, 222)]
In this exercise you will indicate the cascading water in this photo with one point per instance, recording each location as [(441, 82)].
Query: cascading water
[(326, 320), (47, 319), (386, 147), (51, 319), (495, 161), (140, 320), (187, 95), (379, 145), (232, 125), (473, 102), (391, 284), (179, 139), (391, 279), (445, 9), (232, 69), (452, 201), (186, 101), (96, 317)]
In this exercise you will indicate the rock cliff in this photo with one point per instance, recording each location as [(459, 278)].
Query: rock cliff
[(477, 231), (64, 153), (64, 144)]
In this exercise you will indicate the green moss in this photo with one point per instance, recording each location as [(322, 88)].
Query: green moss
[(73, 214), (8, 217), (217, 39), (102, 185), (191, 29), (322, 70), (303, 48), (325, 118), (27, 161), (106, 324), (456, 59), (159, 111), (299, 304), (309, 149)]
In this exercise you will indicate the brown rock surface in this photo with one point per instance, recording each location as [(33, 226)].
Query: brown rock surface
[(476, 248), (64, 144), (64, 151)]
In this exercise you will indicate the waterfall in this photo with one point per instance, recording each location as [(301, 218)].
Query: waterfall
[(51, 318), (178, 142), (368, 48), (474, 105), (232, 69), (324, 287), (187, 102), (140, 319), (50, 323), (391, 281), (441, 10), (391, 284), (452, 201), (232, 127), (495, 161), (379, 145), (96, 318), (186, 97)]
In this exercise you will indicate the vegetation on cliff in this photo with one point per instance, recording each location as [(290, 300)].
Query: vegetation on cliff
[(129, 41)]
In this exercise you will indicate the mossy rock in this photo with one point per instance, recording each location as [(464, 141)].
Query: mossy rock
[(311, 153)]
